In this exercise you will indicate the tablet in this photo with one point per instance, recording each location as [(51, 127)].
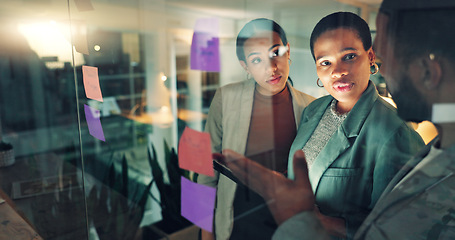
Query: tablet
[(225, 171)]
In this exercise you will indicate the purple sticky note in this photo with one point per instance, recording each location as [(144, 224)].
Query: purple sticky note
[(198, 203), (92, 115), (205, 46)]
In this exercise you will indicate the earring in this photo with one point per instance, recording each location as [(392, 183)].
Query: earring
[(317, 83), (248, 76), (374, 70), (290, 61)]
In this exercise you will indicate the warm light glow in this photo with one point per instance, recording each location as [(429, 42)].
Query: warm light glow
[(97, 48), (163, 76), (164, 109), (50, 39)]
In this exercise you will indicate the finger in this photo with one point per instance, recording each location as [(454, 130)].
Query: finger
[(219, 157), (238, 172), (239, 162), (233, 164), (234, 161), (303, 186), (231, 160), (300, 168), (250, 173)]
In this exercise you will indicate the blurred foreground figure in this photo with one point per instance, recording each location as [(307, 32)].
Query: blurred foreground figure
[(415, 42)]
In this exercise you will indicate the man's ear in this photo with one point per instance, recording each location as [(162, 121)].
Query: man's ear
[(432, 72), (243, 64)]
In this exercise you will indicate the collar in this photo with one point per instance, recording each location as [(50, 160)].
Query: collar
[(356, 117)]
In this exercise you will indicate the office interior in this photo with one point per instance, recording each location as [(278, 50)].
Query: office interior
[(61, 179)]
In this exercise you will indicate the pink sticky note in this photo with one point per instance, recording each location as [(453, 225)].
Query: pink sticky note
[(92, 83), (198, 203), (195, 152)]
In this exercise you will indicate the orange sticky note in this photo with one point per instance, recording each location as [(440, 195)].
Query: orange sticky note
[(92, 83), (195, 152)]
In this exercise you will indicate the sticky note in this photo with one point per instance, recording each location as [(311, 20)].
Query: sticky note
[(79, 32), (198, 203), (83, 5), (92, 83), (205, 46), (92, 116), (195, 152)]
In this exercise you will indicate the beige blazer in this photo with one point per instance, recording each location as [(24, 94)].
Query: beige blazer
[(228, 123)]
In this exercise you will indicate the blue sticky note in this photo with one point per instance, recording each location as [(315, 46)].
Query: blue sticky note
[(205, 46), (92, 116), (198, 203)]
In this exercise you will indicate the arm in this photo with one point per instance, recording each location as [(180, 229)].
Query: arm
[(334, 226), (396, 147), (288, 200), (304, 225), (402, 146), (284, 197)]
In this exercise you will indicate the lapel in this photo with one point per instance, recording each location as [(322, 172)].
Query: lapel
[(296, 105), (299, 102), (245, 106), (308, 124), (339, 142)]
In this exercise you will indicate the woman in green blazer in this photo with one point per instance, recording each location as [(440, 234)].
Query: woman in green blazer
[(353, 140)]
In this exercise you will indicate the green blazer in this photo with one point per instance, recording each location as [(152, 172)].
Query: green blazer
[(360, 159)]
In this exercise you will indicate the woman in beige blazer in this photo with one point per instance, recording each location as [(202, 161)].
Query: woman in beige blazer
[(259, 118)]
